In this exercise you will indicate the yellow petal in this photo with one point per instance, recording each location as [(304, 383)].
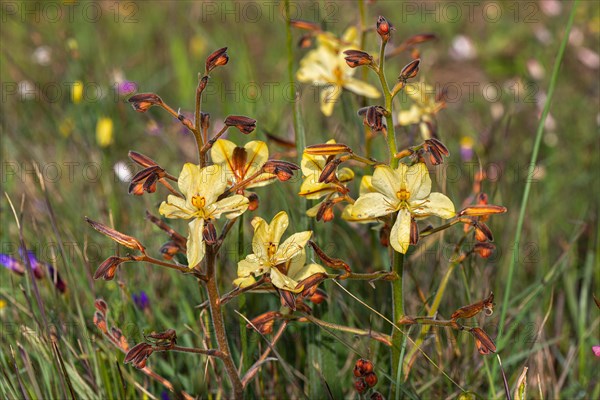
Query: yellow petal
[(372, 205), (410, 116), (366, 185), (296, 264), (258, 154), (244, 282), (175, 207), (211, 183), (436, 204), (349, 215), (312, 164), (221, 153), (418, 182), (189, 174), (232, 206), (104, 132), (329, 96), (312, 189), (195, 243), (361, 88), (291, 246), (308, 271), (345, 175), (312, 212), (252, 265), (281, 281), (400, 233), (387, 181)]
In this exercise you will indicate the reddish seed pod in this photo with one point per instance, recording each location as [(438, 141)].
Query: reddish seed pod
[(371, 379), (217, 58), (377, 396), (384, 28), (360, 385)]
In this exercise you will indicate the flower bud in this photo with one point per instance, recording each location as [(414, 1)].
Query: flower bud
[(328, 173), (166, 338), (169, 249), (287, 299), (418, 39), (335, 263), (217, 58), (384, 236), (327, 149), (371, 379), (384, 28), (204, 121), (410, 70), (484, 250), (355, 58), (283, 169), (377, 396), (141, 159), (485, 345), (483, 233), (108, 268), (121, 238), (482, 210), (246, 125), (101, 306), (309, 285), (325, 212), (305, 41), (100, 322), (473, 309), (209, 234), (361, 386), (253, 201), (306, 25), (373, 118), (138, 355), (318, 297), (264, 322), (414, 232), (143, 101)]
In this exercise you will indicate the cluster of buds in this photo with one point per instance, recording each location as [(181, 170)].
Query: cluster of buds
[(476, 215), (485, 345), (115, 335), (244, 124), (284, 170), (436, 150), (373, 117), (356, 58), (147, 179), (365, 377)]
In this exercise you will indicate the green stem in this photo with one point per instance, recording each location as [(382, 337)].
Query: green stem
[(390, 134), (398, 310), (242, 301)]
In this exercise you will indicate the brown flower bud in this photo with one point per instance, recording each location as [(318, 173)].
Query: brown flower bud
[(364, 366), (384, 28), (482, 210), (264, 322), (373, 118), (376, 396), (284, 170), (439, 146), (217, 58), (169, 249), (116, 332), (355, 58), (482, 199), (101, 306), (410, 70), (483, 233), (327, 149), (143, 101), (166, 338), (305, 41), (335, 263), (360, 385), (318, 297), (100, 322), (414, 232), (484, 250), (473, 309), (108, 268), (325, 211), (204, 121), (245, 125), (287, 299), (328, 173), (136, 189), (253, 201), (209, 234), (138, 355), (306, 25), (485, 345), (371, 379), (141, 159), (121, 238), (309, 285)]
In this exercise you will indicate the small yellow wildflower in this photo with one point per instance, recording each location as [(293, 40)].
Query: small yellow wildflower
[(240, 163), (405, 190), (284, 262), (201, 188), (77, 92), (325, 66), (104, 132)]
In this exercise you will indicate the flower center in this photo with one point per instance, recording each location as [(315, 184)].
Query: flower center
[(271, 249), (198, 201), (337, 73), (403, 195)]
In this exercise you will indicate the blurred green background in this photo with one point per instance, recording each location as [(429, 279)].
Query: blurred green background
[(493, 58)]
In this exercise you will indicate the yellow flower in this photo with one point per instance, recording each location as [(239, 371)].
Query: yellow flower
[(312, 167), (325, 66), (201, 188), (240, 163), (405, 190), (284, 262), (77, 92), (104, 132), (423, 109)]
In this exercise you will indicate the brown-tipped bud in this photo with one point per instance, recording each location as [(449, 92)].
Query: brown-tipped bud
[(361, 386), (485, 345), (325, 211), (418, 39), (287, 299), (149, 184), (141, 159), (473, 309), (328, 173), (484, 250), (414, 232), (136, 189), (371, 379), (284, 170), (327, 149), (384, 235), (138, 355), (318, 297), (116, 332), (264, 322), (166, 338), (209, 234), (310, 284), (364, 366), (435, 158), (441, 147), (253, 201), (482, 199), (305, 41), (169, 249), (121, 238), (483, 233), (335, 263), (245, 125), (384, 28), (482, 210), (405, 320), (376, 396), (100, 322), (306, 25), (355, 58), (101, 306), (217, 58), (415, 53), (204, 121), (410, 70), (143, 101), (373, 118), (108, 268)]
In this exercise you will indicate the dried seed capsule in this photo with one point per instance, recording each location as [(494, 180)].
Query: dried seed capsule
[(141, 159), (410, 70), (484, 250), (245, 125), (485, 345), (143, 101), (253, 201), (217, 58), (121, 238), (371, 379), (360, 385), (355, 58)]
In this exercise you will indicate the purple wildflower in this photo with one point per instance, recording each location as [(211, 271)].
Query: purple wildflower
[(141, 300), (596, 350), (125, 88), (12, 264)]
